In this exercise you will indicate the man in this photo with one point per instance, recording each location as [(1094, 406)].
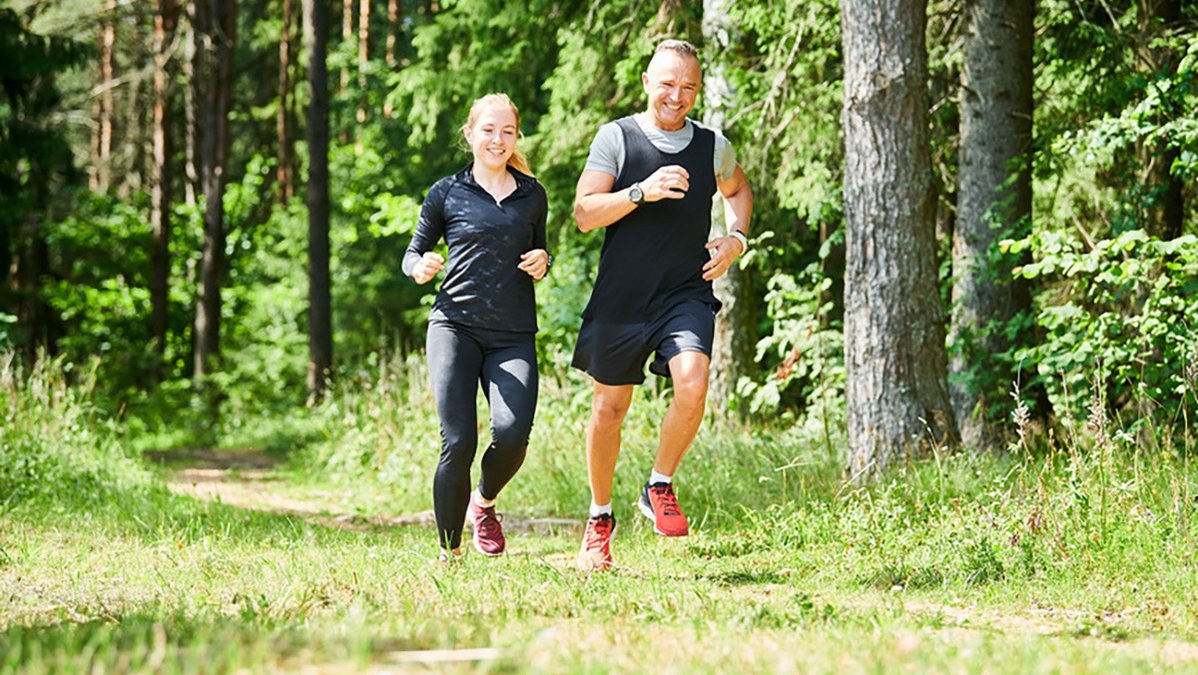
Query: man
[(649, 180)]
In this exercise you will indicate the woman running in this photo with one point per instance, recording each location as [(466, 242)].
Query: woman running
[(482, 325)]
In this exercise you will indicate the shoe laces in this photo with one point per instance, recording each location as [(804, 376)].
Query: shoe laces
[(664, 493), (599, 532), (487, 522)]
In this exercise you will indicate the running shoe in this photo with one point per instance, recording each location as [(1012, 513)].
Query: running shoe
[(488, 533), (595, 554), (659, 504)]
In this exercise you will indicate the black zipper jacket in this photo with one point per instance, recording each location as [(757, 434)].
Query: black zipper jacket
[(483, 286)]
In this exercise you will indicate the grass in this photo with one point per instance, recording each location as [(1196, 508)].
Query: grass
[(1077, 558)]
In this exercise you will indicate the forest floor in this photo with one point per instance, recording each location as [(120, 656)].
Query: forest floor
[(248, 569)]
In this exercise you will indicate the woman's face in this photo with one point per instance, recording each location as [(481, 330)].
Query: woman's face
[(493, 136)]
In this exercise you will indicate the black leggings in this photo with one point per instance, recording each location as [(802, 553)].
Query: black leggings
[(460, 358)]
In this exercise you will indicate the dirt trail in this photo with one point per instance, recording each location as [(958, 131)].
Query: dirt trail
[(245, 478)]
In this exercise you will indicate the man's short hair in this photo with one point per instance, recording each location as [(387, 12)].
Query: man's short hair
[(680, 47)]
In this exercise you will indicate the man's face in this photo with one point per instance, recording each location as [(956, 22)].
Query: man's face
[(672, 83)]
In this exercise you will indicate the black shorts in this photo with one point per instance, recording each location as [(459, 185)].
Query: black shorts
[(615, 353)]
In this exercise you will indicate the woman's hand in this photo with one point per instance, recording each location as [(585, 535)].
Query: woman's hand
[(430, 263), (535, 263)]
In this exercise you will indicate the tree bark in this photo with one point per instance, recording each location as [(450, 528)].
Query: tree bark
[(101, 169), (320, 326), (897, 392), (732, 353), (218, 30), (192, 65), (165, 24), (994, 200), (1166, 212), (363, 56), (283, 124), (392, 37)]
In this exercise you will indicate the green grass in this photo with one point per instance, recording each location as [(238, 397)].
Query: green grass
[(1075, 559)]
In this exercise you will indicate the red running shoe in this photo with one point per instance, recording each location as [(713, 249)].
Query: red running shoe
[(659, 504), (595, 554), (488, 533)]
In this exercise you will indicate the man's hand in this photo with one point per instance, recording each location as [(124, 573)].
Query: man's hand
[(430, 263), (727, 250), (668, 182), (535, 263)]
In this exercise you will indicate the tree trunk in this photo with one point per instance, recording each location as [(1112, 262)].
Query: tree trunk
[(165, 23), (101, 170), (897, 392), (218, 30), (363, 56), (1166, 211), (392, 36), (994, 200), (320, 326), (283, 123), (732, 353), (34, 314), (192, 96)]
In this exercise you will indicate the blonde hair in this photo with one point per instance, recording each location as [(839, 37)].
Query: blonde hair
[(517, 161)]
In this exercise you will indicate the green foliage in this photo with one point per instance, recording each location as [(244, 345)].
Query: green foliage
[(56, 447), (1119, 311)]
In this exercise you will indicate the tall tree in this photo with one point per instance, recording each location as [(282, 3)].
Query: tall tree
[(734, 339), (897, 391), (217, 30), (283, 124), (363, 56), (994, 200), (392, 37), (192, 67), (320, 314), (101, 165), (165, 23)]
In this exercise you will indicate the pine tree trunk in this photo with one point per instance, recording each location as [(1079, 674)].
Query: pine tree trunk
[(283, 123), (732, 353), (218, 31), (165, 24), (392, 36), (320, 327), (994, 200), (363, 56), (192, 65), (101, 169), (897, 390)]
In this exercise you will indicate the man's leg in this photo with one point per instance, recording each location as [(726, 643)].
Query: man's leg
[(689, 372), (609, 405)]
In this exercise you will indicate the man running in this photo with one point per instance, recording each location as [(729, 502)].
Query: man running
[(649, 180)]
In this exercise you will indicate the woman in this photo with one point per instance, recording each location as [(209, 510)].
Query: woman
[(482, 325)]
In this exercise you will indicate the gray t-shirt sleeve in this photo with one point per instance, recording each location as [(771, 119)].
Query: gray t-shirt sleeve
[(725, 157), (607, 150)]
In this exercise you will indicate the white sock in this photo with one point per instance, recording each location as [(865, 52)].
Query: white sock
[(478, 499), (598, 510), (655, 478)]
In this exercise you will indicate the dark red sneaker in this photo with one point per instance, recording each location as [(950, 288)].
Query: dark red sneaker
[(595, 554), (659, 504), (488, 533)]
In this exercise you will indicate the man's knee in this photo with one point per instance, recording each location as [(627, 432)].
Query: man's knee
[(609, 407), (689, 372)]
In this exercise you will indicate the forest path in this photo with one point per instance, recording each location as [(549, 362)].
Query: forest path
[(247, 478)]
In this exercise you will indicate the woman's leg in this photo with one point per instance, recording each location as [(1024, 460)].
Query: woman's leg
[(454, 362), (509, 379)]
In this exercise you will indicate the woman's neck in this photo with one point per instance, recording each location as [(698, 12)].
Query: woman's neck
[(498, 182)]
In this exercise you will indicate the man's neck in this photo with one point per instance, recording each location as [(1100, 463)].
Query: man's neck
[(648, 120)]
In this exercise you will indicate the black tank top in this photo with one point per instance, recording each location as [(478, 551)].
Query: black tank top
[(652, 259)]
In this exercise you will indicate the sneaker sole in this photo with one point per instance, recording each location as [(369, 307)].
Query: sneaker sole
[(647, 511)]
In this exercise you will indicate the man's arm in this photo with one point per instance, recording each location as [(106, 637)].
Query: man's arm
[(596, 206), (738, 208)]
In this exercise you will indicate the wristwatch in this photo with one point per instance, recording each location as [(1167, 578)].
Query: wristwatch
[(636, 194)]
